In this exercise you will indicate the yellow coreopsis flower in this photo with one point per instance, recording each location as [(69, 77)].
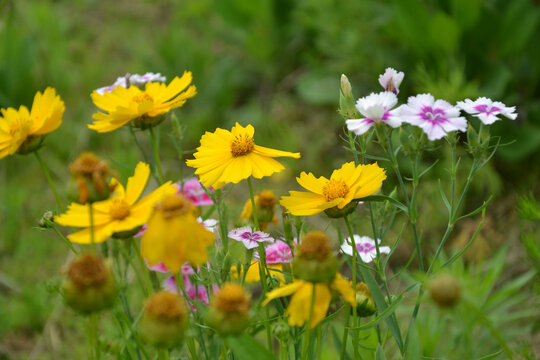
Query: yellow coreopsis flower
[(144, 107), (118, 214), (21, 130), (231, 156), (346, 184), (174, 236), (300, 305)]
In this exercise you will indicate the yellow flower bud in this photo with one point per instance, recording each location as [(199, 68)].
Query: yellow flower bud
[(229, 311), (89, 179), (163, 320), (89, 285)]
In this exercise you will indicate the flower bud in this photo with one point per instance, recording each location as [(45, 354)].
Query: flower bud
[(31, 144), (89, 179), (89, 285), (280, 330), (444, 290), (229, 311), (47, 220), (365, 304), (163, 320), (265, 201), (335, 212), (146, 122), (315, 261), (346, 88)]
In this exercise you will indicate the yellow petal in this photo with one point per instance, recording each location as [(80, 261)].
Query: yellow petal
[(345, 288), (264, 151), (302, 203), (137, 183), (311, 183), (284, 291)]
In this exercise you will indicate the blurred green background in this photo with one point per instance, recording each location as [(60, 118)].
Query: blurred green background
[(273, 63)]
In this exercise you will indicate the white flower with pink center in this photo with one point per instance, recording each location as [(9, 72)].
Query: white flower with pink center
[(278, 253), (487, 110), (391, 79), (365, 247), (375, 108), (250, 239), (194, 191), (436, 117)]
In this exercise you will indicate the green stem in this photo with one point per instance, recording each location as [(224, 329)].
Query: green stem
[(144, 268), (345, 333), (94, 336), (92, 235), (68, 243), (354, 281), (155, 147), (254, 208), (145, 156), (146, 289), (49, 180), (307, 334)]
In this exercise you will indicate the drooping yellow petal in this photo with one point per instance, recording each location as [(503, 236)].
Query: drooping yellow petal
[(285, 290), (137, 183), (300, 305), (345, 288)]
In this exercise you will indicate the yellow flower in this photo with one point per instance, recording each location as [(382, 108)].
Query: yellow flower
[(174, 236), (346, 184), (231, 156), (21, 130), (253, 272), (300, 305), (117, 214), (143, 107)]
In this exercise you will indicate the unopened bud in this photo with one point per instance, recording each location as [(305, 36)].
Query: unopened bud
[(365, 304), (163, 320), (47, 220), (444, 290), (335, 212), (89, 285), (89, 179), (280, 330), (346, 88), (229, 311), (31, 144), (315, 260)]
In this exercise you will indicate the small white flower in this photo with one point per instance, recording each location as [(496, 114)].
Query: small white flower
[(365, 246), (375, 108), (134, 79), (250, 239), (487, 110), (391, 79), (209, 224), (435, 117)]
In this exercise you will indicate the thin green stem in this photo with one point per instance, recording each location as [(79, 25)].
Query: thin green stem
[(254, 207), (307, 334), (68, 243), (155, 147), (49, 180), (92, 235), (146, 289), (345, 333), (142, 265), (94, 334), (354, 282), (143, 152)]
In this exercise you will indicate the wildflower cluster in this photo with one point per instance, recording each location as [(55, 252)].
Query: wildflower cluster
[(214, 286)]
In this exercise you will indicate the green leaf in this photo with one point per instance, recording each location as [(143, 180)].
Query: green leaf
[(245, 347), (386, 198), (414, 347), (379, 353)]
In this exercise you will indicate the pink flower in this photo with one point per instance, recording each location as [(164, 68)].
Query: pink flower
[(365, 247), (250, 239), (391, 79), (375, 108), (487, 110), (435, 117), (278, 253), (193, 191)]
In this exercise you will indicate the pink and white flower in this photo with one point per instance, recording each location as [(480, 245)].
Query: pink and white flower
[(134, 79), (278, 253), (195, 292), (435, 117), (209, 224), (487, 110), (365, 247), (250, 239), (375, 108), (391, 79), (194, 191)]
